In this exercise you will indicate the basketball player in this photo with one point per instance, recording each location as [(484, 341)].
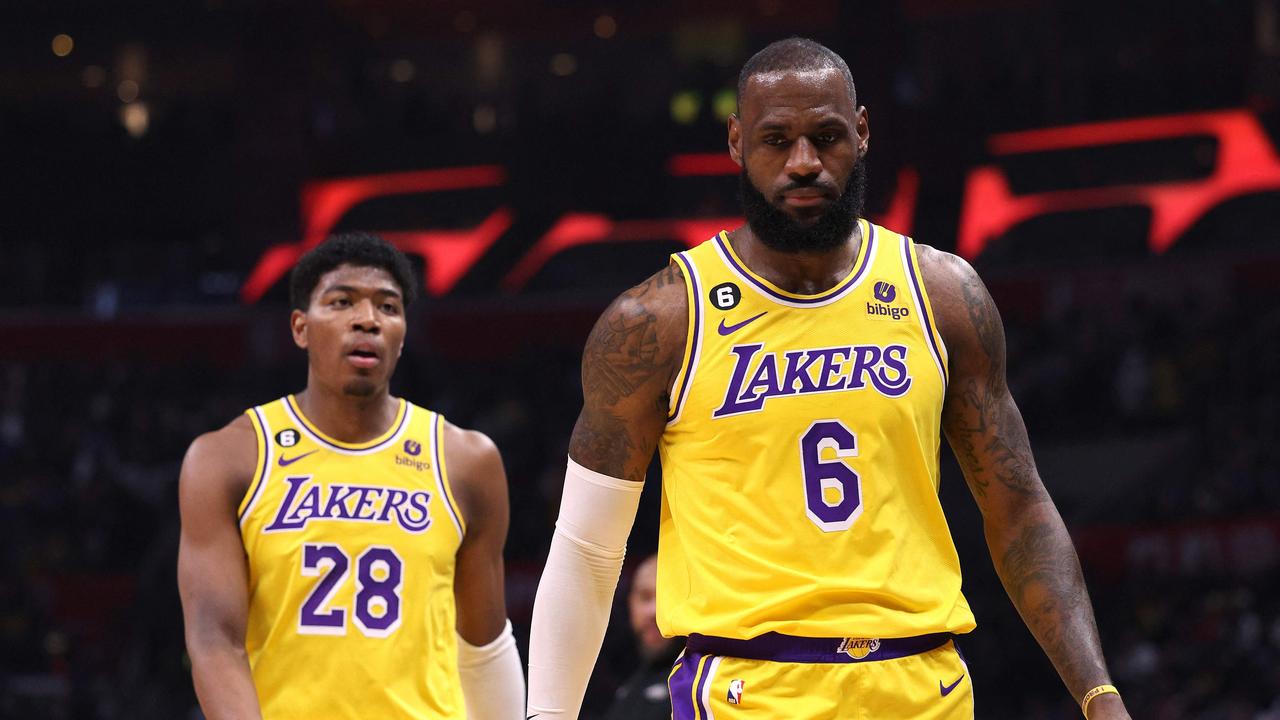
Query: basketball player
[(795, 376), (341, 551)]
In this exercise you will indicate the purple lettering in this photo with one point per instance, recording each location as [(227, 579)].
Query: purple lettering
[(798, 363), (365, 502), (864, 358), (338, 495), (891, 378), (415, 521), (732, 405), (765, 382), (395, 496), (310, 502), (283, 521), (827, 380)]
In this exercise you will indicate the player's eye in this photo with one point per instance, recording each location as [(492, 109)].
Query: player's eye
[(827, 138), (340, 302), (391, 308), (775, 140)]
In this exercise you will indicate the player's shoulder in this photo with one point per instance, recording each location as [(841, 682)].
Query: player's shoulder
[(468, 450), (945, 271), (648, 320), (662, 296), (218, 467), (228, 453), (475, 470), (956, 292)]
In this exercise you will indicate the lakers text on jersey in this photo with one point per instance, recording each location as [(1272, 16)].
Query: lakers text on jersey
[(351, 554), (800, 461)]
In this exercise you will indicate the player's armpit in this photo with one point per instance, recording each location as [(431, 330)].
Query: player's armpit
[(628, 365), (479, 483), (213, 570)]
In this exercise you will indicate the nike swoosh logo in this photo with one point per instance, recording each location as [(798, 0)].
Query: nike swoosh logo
[(730, 329), (287, 462), (946, 690)]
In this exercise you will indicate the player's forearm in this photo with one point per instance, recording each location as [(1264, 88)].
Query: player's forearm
[(224, 684), (1037, 563), (570, 616)]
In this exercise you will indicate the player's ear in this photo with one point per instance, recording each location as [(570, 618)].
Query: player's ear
[(735, 138), (298, 324), (863, 130)]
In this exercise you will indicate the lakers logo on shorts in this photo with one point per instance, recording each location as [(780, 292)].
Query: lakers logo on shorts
[(858, 648)]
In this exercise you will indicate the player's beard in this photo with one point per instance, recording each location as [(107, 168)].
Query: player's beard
[(778, 231), (361, 388)]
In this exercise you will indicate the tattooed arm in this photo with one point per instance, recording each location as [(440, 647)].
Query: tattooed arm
[(1029, 544), (628, 365), (631, 358)]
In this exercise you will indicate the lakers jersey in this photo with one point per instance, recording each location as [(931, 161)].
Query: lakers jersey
[(800, 461), (351, 553)]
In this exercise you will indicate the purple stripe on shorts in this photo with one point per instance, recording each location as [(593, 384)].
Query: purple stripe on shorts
[(788, 648), (693, 341), (703, 710), (681, 687), (824, 297), (916, 283)]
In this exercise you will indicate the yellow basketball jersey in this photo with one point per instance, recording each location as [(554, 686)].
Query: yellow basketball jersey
[(800, 462), (351, 554)]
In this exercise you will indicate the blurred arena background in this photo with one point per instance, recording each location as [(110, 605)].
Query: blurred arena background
[(1111, 168)]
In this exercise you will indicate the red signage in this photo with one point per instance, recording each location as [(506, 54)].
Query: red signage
[(1246, 163)]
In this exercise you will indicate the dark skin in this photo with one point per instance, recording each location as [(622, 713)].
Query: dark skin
[(798, 126), (352, 309)]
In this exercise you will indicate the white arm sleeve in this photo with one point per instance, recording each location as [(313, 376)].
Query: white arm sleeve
[(571, 610), (492, 680)]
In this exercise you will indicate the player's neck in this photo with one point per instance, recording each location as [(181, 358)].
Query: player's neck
[(804, 273), (344, 417)]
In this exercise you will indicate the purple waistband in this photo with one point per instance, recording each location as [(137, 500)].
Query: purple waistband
[(789, 648)]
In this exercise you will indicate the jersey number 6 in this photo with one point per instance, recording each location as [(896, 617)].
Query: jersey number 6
[(379, 574), (826, 478)]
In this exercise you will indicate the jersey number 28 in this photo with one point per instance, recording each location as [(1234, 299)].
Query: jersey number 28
[(379, 575)]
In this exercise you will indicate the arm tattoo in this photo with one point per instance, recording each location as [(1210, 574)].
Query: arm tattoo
[(626, 358), (619, 354), (982, 422), (1040, 571), (1029, 544)]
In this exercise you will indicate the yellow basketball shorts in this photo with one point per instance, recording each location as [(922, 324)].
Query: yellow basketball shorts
[(781, 677)]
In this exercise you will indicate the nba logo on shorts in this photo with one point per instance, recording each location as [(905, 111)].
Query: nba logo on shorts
[(735, 692)]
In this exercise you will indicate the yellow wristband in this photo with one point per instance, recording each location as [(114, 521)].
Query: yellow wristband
[(1089, 696)]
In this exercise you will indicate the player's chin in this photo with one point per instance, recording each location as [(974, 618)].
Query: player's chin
[(360, 387)]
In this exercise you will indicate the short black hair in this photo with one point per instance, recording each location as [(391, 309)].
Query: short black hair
[(360, 249), (795, 54)]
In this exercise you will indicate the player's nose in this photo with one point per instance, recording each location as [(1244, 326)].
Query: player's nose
[(365, 317), (803, 160)]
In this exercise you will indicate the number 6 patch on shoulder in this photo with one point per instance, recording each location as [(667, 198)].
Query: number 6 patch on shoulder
[(725, 296)]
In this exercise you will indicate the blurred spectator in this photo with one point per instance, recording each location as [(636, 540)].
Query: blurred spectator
[(644, 695)]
